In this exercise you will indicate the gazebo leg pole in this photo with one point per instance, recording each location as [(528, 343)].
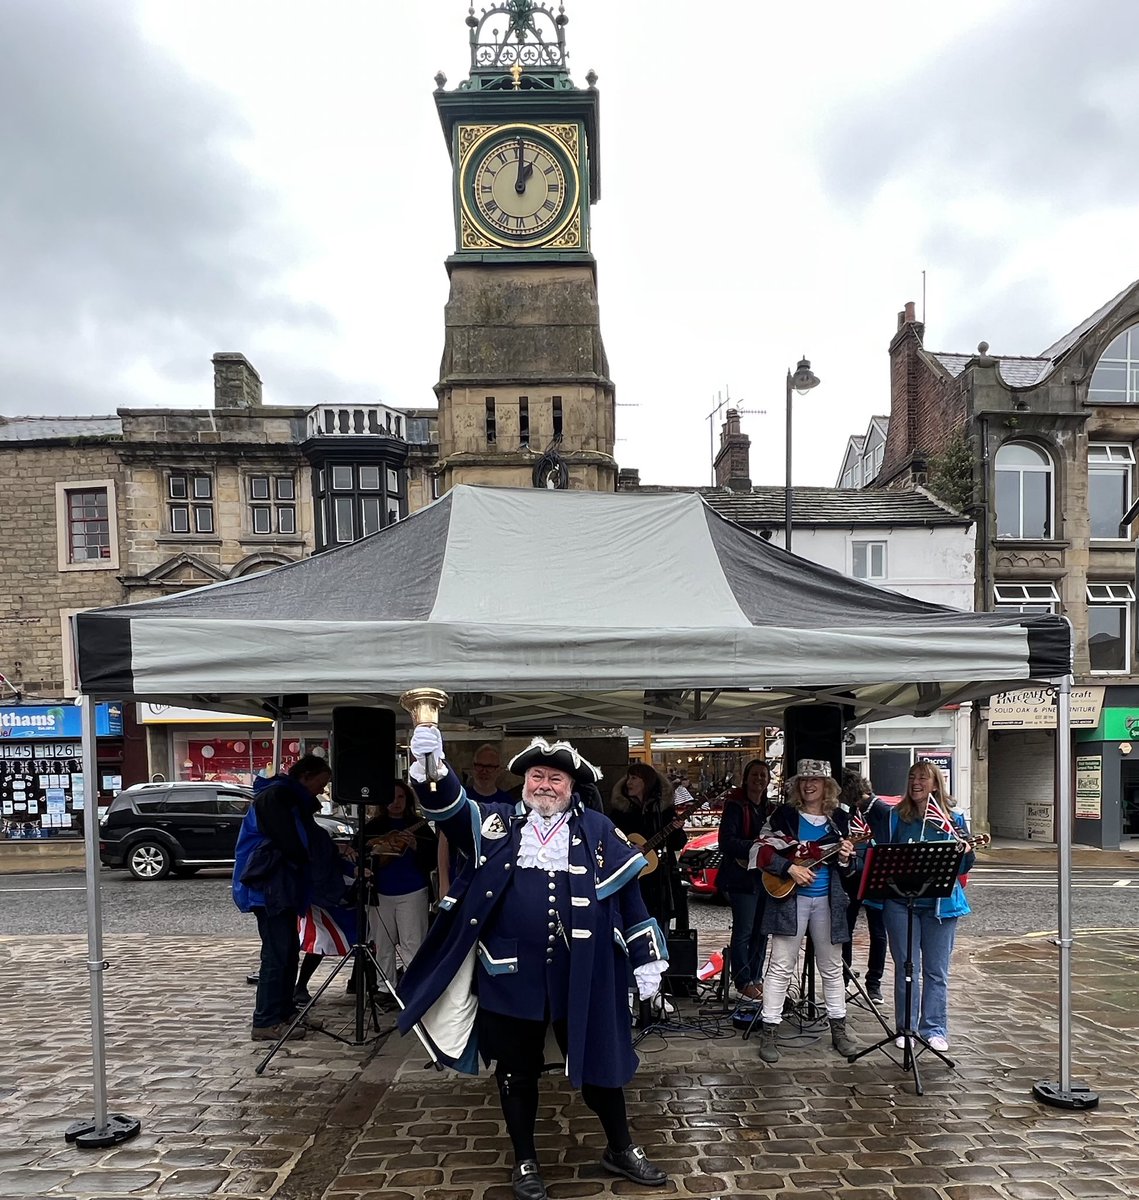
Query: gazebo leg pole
[(1062, 1092), (105, 1129)]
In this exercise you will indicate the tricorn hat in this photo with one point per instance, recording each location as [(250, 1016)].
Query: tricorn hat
[(559, 755)]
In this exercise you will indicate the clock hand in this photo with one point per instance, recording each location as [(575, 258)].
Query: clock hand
[(520, 182)]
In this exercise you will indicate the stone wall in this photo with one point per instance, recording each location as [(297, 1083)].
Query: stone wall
[(36, 591), (229, 446)]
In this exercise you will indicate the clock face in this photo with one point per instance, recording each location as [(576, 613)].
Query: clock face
[(519, 186)]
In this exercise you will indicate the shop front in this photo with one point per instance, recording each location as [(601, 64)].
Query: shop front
[(885, 750), (41, 766), (1021, 752), (1106, 762), (187, 744)]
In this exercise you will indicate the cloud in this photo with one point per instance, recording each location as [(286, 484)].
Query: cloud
[(1043, 104), (129, 228)]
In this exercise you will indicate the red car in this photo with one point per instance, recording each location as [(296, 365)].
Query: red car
[(699, 863)]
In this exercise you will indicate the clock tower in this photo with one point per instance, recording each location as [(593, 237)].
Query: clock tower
[(525, 397)]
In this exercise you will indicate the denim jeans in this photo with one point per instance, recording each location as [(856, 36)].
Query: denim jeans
[(932, 947), (814, 916), (280, 957), (748, 944), (876, 958)]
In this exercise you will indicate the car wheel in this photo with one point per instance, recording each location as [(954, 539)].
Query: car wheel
[(149, 860)]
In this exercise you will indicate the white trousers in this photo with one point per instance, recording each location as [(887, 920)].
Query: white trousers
[(397, 921), (814, 914)]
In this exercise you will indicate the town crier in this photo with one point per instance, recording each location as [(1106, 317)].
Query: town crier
[(538, 929)]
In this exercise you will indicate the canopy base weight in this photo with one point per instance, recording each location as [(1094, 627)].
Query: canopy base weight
[(89, 1136), (1076, 1096)]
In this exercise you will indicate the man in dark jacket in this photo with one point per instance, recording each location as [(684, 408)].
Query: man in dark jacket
[(272, 878)]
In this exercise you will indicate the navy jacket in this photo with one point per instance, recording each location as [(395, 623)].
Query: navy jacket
[(781, 917), (610, 929)]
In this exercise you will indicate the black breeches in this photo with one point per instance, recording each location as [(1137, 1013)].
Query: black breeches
[(518, 1047)]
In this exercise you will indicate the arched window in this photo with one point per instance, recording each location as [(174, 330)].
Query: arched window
[(1024, 492), (1115, 379)]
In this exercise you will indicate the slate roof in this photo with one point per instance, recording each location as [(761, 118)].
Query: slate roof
[(763, 507), (1016, 370), (43, 429), (1070, 339)]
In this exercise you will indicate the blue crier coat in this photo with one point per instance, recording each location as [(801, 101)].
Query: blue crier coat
[(781, 917), (609, 928)]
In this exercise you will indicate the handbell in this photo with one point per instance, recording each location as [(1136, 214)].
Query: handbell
[(424, 705)]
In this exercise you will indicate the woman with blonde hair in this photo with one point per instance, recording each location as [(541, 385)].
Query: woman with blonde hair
[(924, 814), (806, 841)]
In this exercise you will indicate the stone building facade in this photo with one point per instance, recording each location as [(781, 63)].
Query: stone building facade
[(96, 511), (1042, 449), (62, 541)]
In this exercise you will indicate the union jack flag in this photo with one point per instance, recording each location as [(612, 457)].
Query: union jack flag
[(937, 816), (859, 826)]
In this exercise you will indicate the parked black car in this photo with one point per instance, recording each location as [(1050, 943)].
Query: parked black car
[(158, 829)]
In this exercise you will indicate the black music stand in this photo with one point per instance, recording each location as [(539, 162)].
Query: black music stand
[(910, 871)]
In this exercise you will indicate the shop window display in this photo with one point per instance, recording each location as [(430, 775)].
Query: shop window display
[(237, 756)]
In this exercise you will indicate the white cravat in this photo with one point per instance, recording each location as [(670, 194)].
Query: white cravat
[(545, 841)]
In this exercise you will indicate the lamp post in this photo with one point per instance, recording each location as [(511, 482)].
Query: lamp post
[(802, 381)]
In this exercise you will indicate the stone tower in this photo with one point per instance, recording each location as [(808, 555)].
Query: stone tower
[(525, 397)]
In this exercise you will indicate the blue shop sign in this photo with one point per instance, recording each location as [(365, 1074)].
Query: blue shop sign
[(60, 720)]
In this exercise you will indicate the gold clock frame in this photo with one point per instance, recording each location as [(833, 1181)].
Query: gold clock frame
[(473, 233)]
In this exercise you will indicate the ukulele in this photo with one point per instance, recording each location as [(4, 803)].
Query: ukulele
[(648, 846), (974, 841), (384, 857), (778, 887)]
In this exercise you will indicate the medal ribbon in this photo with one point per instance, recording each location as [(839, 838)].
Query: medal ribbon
[(544, 838)]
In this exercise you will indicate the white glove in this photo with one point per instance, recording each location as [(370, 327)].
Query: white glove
[(427, 740), (648, 977)]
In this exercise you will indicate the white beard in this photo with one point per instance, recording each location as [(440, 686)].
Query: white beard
[(545, 805)]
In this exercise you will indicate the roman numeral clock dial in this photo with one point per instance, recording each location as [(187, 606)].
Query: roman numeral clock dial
[(520, 187)]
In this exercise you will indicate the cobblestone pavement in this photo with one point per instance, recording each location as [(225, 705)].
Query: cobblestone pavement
[(346, 1123)]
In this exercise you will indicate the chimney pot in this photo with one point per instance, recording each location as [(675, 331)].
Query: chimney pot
[(910, 315)]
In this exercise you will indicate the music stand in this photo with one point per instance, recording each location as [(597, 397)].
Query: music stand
[(910, 871)]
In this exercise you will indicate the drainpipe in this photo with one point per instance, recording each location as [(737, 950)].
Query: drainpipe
[(986, 555)]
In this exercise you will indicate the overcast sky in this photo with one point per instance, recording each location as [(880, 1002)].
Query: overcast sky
[(269, 176)]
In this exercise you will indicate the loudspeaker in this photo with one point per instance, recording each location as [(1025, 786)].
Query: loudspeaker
[(813, 731), (682, 963), (363, 755)]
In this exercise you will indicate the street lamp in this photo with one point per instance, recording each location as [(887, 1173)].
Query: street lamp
[(802, 381)]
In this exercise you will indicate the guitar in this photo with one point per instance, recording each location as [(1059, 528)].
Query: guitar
[(383, 856), (648, 846), (778, 887)]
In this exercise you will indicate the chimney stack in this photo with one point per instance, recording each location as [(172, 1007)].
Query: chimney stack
[(628, 477), (733, 462), (236, 383)]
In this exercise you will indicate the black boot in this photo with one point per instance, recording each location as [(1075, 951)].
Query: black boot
[(841, 1040), (633, 1164), (769, 1042), (526, 1180)]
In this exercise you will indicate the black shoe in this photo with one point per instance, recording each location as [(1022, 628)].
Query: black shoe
[(874, 991), (252, 977), (300, 999), (633, 1164), (526, 1180)]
